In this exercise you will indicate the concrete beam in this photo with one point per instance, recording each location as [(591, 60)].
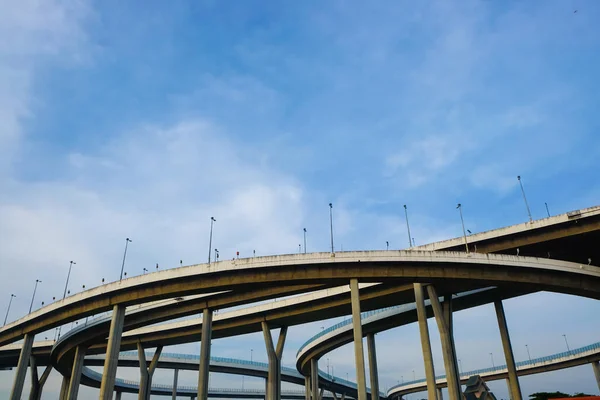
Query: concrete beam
[(447, 344), (107, 385), (359, 357), (76, 373), (373, 366), (513, 379), (596, 367), (21, 370), (205, 345), (425, 343)]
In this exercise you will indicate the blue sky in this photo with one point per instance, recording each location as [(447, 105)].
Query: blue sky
[(144, 119)]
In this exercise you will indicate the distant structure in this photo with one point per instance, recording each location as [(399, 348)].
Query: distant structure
[(477, 389)]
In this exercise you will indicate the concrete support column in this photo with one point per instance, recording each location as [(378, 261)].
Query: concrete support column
[(439, 394), (21, 369), (204, 366), (146, 372), (515, 389), (448, 310), (596, 367), (109, 374), (447, 345), (508, 387), (117, 395), (37, 384), (314, 378), (307, 388), (373, 366), (273, 388), (64, 388), (425, 343), (76, 373), (359, 358), (175, 378)]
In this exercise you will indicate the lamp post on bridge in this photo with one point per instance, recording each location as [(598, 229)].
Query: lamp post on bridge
[(524, 198), (33, 297), (528, 355), (459, 206), (127, 241), (212, 220), (304, 240), (410, 243), (331, 224), (492, 357), (68, 275), (8, 310), (567, 343)]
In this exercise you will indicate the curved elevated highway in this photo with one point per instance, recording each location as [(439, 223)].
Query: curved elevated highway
[(402, 277)]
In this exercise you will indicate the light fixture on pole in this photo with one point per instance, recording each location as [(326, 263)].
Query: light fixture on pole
[(528, 355), (387, 245), (212, 220), (216, 255), (524, 198), (304, 240), (462, 221), (251, 351), (8, 310), (33, 297), (547, 211), (331, 224), (145, 270), (127, 241), (408, 227), (567, 343), (492, 357), (68, 275)]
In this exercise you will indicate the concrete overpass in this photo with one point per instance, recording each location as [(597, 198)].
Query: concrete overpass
[(244, 281)]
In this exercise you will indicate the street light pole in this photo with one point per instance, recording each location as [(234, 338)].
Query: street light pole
[(212, 220), (387, 245), (216, 255), (331, 224), (492, 356), (547, 211), (68, 275), (459, 206), (251, 351), (304, 240), (407, 226), (528, 355), (8, 310), (127, 241), (525, 198), (32, 297), (567, 343)]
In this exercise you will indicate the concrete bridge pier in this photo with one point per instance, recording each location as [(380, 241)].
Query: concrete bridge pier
[(513, 380), (37, 384), (175, 378), (117, 395), (107, 386), (73, 389), (359, 357), (21, 369), (439, 394), (203, 368), (425, 342), (314, 378), (596, 367), (64, 388), (373, 366), (447, 344), (146, 372), (273, 389), (307, 388)]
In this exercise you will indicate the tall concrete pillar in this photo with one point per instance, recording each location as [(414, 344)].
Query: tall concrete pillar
[(111, 362), (508, 387), (447, 347), (204, 366), (37, 384), (359, 357), (513, 380), (64, 388), (448, 316), (307, 388), (117, 395), (175, 378), (314, 378), (274, 356), (146, 372), (440, 396), (21, 369), (76, 373), (373, 366), (596, 367), (425, 343)]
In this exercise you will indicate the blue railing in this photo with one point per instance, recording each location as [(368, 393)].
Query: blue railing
[(520, 365)]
